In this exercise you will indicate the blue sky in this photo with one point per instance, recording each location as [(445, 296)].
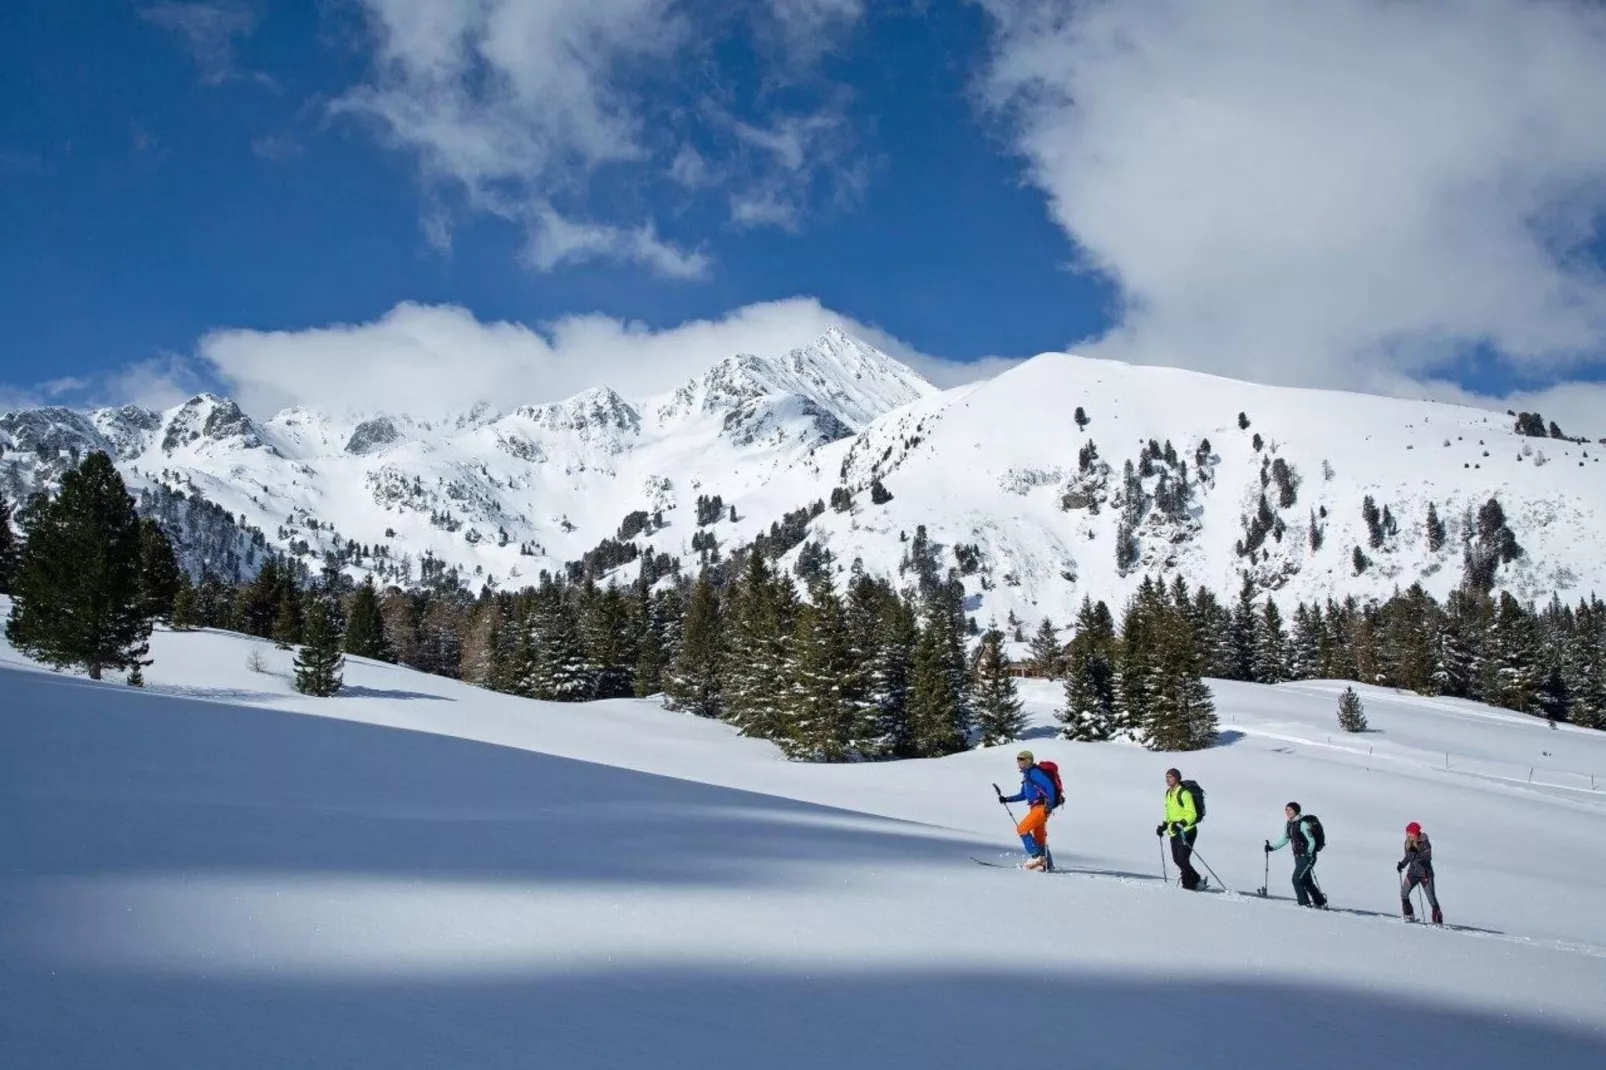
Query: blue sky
[(193, 194)]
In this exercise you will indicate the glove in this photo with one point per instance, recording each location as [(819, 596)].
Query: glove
[(1400, 868), (1001, 800), (1159, 830), (1266, 845)]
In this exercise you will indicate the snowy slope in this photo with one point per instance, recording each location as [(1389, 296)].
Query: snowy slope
[(424, 874), (504, 495)]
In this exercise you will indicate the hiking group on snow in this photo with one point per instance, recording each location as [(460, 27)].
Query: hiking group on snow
[(1043, 792)]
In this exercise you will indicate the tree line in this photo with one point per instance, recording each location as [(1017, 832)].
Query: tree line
[(1488, 647)]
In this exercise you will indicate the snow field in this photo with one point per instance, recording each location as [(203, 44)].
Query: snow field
[(217, 871)]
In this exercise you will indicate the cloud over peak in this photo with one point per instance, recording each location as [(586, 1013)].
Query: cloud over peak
[(1328, 193)]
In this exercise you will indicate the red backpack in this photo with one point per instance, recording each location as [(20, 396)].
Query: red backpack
[(1053, 771)]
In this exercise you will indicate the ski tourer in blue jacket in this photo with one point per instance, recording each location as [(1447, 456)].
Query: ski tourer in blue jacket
[(1037, 791)]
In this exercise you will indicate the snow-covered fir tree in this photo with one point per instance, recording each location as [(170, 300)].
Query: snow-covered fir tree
[(1089, 711), (319, 662), (824, 684), (1181, 714), (1351, 712), (1271, 646), (559, 670), (365, 628), (1000, 716), (758, 640), (1047, 655), (693, 681)]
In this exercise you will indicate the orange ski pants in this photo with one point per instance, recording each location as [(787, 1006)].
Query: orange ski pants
[(1035, 827)]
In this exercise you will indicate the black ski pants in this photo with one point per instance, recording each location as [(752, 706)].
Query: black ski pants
[(1182, 855), (1305, 889)]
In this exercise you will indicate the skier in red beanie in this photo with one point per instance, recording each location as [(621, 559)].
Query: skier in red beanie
[(1417, 865)]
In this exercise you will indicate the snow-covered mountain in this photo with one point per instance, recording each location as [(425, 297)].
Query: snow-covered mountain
[(1033, 503)]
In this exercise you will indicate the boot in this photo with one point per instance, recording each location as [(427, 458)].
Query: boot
[(1405, 910), (1036, 862), (1438, 916)]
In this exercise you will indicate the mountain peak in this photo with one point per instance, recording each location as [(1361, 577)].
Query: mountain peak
[(207, 418), (836, 374)]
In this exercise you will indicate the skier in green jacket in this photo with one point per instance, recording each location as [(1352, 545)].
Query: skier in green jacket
[(1182, 824)]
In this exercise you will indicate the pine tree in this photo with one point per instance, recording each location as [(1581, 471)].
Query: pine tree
[(186, 605), (1457, 669), (999, 714), (1048, 658), (891, 671), (1410, 638), (693, 682), (1213, 631), (481, 635), (1271, 646), (1089, 711), (932, 707), (76, 594), (440, 634), (945, 616), (287, 620), (1554, 698), (609, 632), (1351, 712), (1137, 664), (365, 627), (1588, 664), (824, 684), (1510, 656), (319, 663), (649, 671), (158, 570), (559, 670), (257, 602), (1304, 650), (758, 648), (8, 546), (1436, 530), (1182, 712), (1245, 631)]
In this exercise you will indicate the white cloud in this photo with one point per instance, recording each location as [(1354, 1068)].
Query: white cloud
[(787, 160), (808, 28), (524, 106), (690, 169), (555, 240), (516, 103), (209, 31), (1318, 191), (157, 383), (432, 359)]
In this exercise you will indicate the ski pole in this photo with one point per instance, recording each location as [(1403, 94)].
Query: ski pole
[(1007, 810), (1265, 879), (1210, 871), (1163, 874)]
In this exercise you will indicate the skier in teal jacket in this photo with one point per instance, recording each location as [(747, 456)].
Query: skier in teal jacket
[(1299, 835)]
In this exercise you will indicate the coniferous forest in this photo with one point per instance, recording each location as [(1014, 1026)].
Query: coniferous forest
[(831, 664)]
